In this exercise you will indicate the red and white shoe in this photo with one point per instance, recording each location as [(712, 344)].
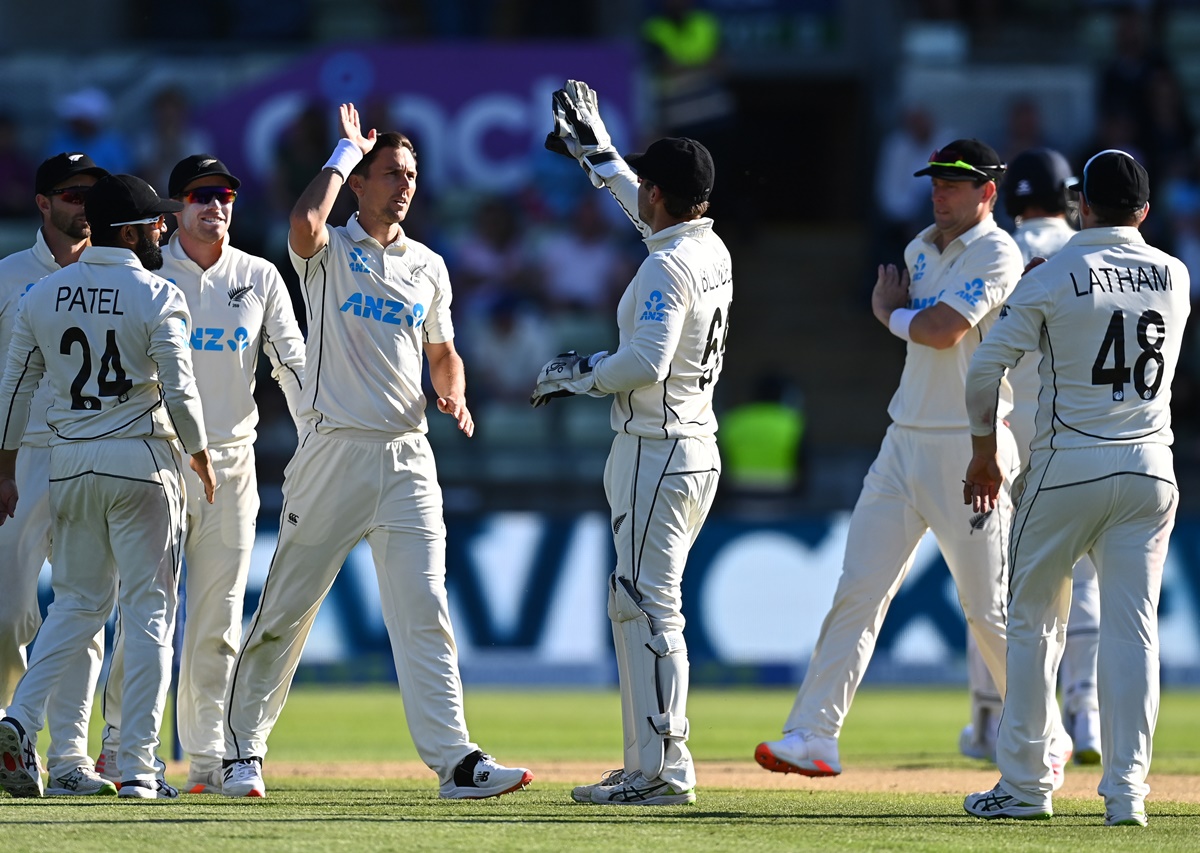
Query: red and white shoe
[(800, 752)]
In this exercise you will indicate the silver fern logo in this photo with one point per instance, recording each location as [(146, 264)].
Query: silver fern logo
[(617, 522), (979, 521), (237, 292)]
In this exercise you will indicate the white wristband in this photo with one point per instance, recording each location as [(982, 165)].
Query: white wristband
[(344, 158), (900, 320)]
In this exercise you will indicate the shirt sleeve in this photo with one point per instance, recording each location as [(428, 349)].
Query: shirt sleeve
[(171, 351), (623, 185), (437, 323), (23, 370), (1016, 332), (661, 303), (282, 341), (990, 272)]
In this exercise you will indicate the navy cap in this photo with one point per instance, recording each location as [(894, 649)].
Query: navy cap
[(679, 165), (198, 166), (964, 160), (58, 168), (1112, 178), (125, 200)]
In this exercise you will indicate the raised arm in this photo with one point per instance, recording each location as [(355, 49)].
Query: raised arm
[(306, 233)]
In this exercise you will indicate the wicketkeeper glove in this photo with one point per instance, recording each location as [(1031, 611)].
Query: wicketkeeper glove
[(579, 132), (566, 375)]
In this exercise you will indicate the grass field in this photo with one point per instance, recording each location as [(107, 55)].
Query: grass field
[(342, 775)]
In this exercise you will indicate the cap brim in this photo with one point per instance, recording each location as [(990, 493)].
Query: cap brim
[(634, 159), (950, 173), (167, 205)]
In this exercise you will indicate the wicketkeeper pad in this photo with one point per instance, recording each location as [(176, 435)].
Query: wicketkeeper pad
[(654, 666)]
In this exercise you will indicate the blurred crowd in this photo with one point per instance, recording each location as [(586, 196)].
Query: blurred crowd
[(541, 270)]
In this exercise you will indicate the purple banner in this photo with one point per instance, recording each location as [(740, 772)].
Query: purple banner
[(477, 112)]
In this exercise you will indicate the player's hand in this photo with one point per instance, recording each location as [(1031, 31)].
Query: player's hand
[(981, 486), (352, 128), (579, 132), (201, 463), (458, 410), (890, 292), (8, 498), (565, 375)]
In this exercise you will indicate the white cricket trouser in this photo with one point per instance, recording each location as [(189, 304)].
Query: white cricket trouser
[(336, 492), (659, 494), (217, 547), (118, 535), (25, 541), (1118, 504), (914, 485), (1078, 673)]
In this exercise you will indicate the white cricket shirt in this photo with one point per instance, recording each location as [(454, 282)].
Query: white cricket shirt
[(18, 272), (239, 307), (1042, 237), (1107, 313), (973, 275), (112, 340), (371, 309)]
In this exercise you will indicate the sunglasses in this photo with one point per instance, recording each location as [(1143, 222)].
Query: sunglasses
[(205, 195), (71, 195), (160, 220)]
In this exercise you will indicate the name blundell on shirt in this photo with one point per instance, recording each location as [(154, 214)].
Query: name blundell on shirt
[(89, 300), (1123, 279)]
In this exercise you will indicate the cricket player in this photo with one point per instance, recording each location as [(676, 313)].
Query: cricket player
[(1035, 196), (240, 308), (60, 185), (111, 339), (1107, 315), (959, 271), (662, 472), (379, 304)]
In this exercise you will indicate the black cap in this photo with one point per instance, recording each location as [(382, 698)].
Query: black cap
[(1039, 177), (124, 200), (197, 166), (679, 165), (964, 160), (62, 166), (1114, 179)]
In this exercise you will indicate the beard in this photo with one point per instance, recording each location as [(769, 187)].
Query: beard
[(69, 223), (148, 252)]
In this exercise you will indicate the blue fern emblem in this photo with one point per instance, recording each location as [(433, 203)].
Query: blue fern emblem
[(919, 268)]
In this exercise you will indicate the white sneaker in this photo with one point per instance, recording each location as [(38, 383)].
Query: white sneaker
[(200, 781), (583, 793), (479, 776), (147, 789), (635, 789), (1061, 749), (79, 782), (800, 752), (999, 803), (1136, 818), (1085, 730), (106, 765), (20, 766), (973, 747), (243, 778)]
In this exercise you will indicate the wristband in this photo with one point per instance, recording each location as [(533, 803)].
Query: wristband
[(900, 320), (344, 158)]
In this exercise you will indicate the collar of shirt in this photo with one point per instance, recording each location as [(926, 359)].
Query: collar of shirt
[(1107, 236), (1042, 224), (359, 235), (175, 250), (659, 238), (988, 223), (111, 255), (41, 251)]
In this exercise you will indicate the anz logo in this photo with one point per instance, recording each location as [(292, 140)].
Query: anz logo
[(972, 291), (383, 310), (358, 261), (214, 340), (654, 308)]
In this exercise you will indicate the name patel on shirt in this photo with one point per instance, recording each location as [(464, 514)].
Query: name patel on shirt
[(89, 300), (1123, 279)]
